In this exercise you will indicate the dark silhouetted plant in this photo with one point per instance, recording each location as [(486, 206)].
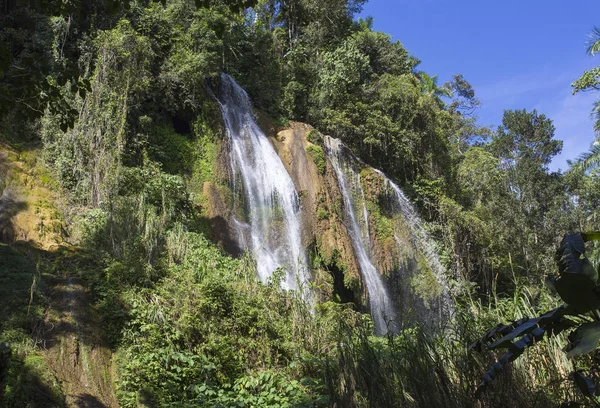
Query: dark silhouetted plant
[(577, 285)]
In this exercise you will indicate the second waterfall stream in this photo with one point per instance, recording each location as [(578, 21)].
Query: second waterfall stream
[(357, 223)]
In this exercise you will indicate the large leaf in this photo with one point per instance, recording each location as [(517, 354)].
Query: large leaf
[(578, 277), (501, 335), (500, 330), (583, 340), (515, 350), (530, 325), (531, 332), (585, 384), (571, 258), (578, 291)]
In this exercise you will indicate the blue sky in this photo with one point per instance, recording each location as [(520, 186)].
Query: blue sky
[(516, 54)]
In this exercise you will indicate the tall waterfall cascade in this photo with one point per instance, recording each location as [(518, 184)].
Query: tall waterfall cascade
[(382, 308), (271, 229)]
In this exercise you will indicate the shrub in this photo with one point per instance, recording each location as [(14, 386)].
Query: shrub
[(318, 156)]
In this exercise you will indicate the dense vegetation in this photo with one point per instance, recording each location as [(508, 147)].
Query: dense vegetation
[(117, 96)]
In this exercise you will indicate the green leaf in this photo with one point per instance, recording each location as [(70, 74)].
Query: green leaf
[(578, 277), (583, 340), (532, 331), (571, 258), (549, 320), (501, 329), (526, 327), (516, 349)]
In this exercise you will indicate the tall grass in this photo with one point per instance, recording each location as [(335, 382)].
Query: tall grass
[(420, 368)]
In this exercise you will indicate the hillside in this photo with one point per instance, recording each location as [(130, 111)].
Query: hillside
[(268, 204)]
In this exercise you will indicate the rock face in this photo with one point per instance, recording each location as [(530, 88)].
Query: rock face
[(322, 209), (394, 239)]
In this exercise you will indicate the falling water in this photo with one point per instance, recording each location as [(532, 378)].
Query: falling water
[(272, 230), (402, 205), (382, 309)]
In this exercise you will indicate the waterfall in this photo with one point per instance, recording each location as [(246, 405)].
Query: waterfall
[(382, 309), (271, 229), (421, 238)]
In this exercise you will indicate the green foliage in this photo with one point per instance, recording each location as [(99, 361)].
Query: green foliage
[(318, 157), (174, 151), (30, 382), (314, 137), (265, 390), (510, 205), (195, 335), (195, 50), (589, 80), (479, 173), (526, 138), (282, 122), (193, 326), (384, 225), (322, 214), (341, 74), (426, 284)]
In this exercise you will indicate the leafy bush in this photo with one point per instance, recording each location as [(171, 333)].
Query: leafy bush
[(315, 137), (173, 150), (318, 156)]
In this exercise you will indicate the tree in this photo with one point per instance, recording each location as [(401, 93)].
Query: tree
[(319, 24), (590, 80), (526, 139), (525, 146), (429, 87), (464, 100)]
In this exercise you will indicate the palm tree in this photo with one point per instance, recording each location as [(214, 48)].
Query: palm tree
[(588, 160), (590, 80), (430, 87), (592, 49), (594, 42)]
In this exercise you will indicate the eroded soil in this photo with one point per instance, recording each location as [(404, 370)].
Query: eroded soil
[(70, 337)]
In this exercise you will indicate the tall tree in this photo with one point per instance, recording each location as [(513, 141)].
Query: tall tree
[(525, 146)]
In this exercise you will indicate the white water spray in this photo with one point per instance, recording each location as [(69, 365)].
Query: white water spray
[(272, 230), (421, 240)]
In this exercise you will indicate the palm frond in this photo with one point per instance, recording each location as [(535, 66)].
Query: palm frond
[(588, 160), (596, 116), (594, 42)]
